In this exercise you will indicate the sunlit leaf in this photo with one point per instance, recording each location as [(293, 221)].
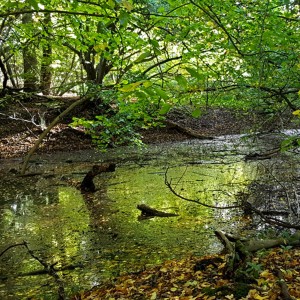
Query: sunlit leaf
[(162, 93), (130, 87), (181, 80), (153, 296), (147, 83), (194, 73), (296, 112), (111, 3), (143, 56), (127, 5), (165, 108), (100, 47)]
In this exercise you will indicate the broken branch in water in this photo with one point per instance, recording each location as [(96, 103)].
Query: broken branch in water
[(51, 271), (149, 212)]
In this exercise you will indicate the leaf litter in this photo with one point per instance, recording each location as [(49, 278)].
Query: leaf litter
[(195, 278)]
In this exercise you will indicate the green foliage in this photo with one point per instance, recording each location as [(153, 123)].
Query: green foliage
[(215, 53), (254, 269), (290, 143), (120, 121), (109, 132)]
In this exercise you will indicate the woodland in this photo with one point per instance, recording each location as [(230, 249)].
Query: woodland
[(113, 71)]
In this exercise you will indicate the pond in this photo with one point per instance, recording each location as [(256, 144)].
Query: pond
[(94, 238)]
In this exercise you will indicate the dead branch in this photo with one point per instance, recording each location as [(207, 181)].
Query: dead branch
[(271, 220), (188, 131), (149, 212), (50, 270), (283, 286), (47, 130), (168, 183), (238, 250), (41, 124)]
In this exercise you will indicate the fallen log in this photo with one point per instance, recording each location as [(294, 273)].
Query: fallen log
[(239, 250), (188, 131), (149, 212), (262, 156)]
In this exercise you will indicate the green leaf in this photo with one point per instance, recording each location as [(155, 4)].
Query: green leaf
[(162, 93), (130, 87), (124, 18), (34, 4), (111, 3), (154, 43), (150, 92), (196, 113), (141, 95), (194, 73), (143, 56), (181, 80), (165, 108)]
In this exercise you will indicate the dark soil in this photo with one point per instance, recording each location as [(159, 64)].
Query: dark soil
[(19, 127)]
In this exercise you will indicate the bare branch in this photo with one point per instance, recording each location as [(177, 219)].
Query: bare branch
[(47, 130), (169, 185), (12, 246), (161, 63)]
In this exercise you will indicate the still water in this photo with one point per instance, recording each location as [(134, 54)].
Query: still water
[(91, 239)]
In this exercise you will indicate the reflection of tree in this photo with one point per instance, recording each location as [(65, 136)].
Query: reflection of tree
[(275, 200), (99, 206)]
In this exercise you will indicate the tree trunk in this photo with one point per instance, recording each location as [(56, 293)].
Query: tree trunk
[(30, 62), (5, 78), (46, 71)]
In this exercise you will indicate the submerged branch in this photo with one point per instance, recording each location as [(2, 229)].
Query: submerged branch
[(149, 212), (169, 185), (50, 271)]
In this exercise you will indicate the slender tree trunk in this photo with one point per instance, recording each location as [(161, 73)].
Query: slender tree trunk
[(5, 78), (30, 62), (46, 71)]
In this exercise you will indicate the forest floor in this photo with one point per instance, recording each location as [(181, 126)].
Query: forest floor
[(275, 275), (20, 128), (191, 277)]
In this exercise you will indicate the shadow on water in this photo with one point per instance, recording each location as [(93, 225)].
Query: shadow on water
[(93, 238)]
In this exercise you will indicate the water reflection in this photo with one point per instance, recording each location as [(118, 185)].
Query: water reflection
[(100, 236)]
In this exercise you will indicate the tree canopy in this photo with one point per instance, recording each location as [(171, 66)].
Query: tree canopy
[(144, 57)]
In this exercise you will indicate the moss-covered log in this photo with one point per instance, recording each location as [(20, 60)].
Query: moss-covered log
[(239, 250)]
